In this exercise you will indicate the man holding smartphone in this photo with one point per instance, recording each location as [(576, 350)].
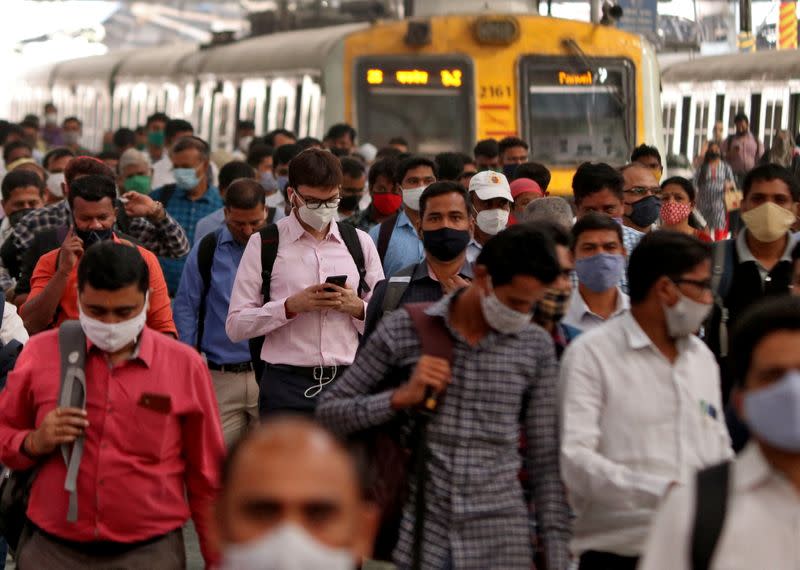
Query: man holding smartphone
[(311, 326)]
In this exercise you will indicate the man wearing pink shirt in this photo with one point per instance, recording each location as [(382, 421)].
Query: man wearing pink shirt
[(311, 327)]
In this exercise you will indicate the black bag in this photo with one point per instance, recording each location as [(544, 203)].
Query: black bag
[(15, 486)]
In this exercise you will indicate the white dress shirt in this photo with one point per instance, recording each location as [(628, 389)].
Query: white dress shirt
[(762, 523), (633, 423), (13, 328), (582, 318)]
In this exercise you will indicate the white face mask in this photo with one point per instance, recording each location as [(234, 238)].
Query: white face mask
[(411, 197), (289, 547), (492, 222), (54, 184), (274, 200), (110, 337), (318, 218), (685, 317), (501, 317), (244, 143)]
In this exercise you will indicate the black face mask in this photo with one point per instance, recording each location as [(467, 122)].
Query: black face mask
[(349, 203), (646, 211), (712, 155), (18, 215), (445, 244), (91, 237), (509, 170)]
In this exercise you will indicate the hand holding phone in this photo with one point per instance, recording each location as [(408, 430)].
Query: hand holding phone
[(338, 280)]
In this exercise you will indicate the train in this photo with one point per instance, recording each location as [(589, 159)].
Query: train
[(696, 94), (575, 91)]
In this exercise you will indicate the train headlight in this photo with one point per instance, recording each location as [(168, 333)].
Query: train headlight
[(496, 30)]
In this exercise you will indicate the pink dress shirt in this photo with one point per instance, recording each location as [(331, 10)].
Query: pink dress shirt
[(317, 338)]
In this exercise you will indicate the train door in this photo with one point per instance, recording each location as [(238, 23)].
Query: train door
[(282, 104), (701, 121), (223, 125), (310, 117), (794, 114), (253, 100), (775, 104)]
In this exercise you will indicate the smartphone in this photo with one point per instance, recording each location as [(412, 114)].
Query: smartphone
[(338, 280)]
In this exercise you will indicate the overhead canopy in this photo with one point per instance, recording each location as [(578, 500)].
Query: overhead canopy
[(758, 66), (303, 49)]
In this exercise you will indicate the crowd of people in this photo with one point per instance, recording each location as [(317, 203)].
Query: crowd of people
[(331, 356)]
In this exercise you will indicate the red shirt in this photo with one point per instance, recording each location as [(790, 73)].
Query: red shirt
[(139, 465)]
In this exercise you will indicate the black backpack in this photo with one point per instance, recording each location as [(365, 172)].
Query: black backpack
[(710, 508), (270, 239)]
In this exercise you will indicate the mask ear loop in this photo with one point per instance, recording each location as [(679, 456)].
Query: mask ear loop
[(319, 377)]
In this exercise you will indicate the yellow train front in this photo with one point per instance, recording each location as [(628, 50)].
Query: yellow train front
[(574, 91)]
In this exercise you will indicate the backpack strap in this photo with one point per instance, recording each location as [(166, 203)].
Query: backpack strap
[(72, 348), (434, 337), (271, 215), (350, 238), (396, 288), (205, 260), (270, 239), (166, 194), (723, 261), (711, 505), (385, 234)]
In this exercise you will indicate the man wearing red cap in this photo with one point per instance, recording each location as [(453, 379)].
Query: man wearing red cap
[(524, 191)]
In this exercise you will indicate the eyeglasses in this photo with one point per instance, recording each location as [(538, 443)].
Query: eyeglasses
[(314, 204), (703, 285), (641, 190)]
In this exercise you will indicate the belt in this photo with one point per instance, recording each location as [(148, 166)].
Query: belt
[(101, 548), (312, 372), (236, 368)]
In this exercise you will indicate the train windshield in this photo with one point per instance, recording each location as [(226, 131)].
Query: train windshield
[(427, 101), (578, 110)]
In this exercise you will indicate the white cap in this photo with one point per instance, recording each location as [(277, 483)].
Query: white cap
[(490, 184)]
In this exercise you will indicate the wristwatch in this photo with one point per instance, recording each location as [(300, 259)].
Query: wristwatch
[(159, 213)]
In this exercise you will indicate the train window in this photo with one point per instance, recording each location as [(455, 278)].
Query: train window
[(669, 125), (700, 125), (773, 118), (573, 113), (734, 107), (426, 100)]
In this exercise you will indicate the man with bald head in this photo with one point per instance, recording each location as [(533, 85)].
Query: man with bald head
[(642, 205), (291, 499)]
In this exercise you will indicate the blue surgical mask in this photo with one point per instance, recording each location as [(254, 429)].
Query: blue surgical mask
[(600, 272), (186, 178), (283, 182), (269, 182), (773, 413)]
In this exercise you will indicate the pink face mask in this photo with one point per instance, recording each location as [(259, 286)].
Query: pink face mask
[(673, 213)]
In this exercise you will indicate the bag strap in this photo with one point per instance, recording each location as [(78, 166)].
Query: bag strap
[(435, 339), (205, 261), (723, 261), (271, 215), (711, 505), (166, 194), (384, 235), (350, 238), (396, 288), (270, 240), (72, 349)]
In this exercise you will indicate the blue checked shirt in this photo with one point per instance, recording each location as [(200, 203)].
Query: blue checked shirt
[(475, 509), (405, 247), (215, 344), (187, 213)]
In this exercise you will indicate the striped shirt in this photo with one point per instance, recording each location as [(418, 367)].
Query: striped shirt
[(475, 510)]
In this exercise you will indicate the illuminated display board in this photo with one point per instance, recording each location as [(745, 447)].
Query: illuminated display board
[(447, 77)]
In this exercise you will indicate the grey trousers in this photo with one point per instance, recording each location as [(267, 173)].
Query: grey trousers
[(38, 552)]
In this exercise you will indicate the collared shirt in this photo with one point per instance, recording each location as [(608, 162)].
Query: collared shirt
[(405, 247), (187, 212), (315, 338), (744, 254), (761, 522), (742, 152), (165, 238), (159, 312), (162, 171), (13, 328), (473, 250), (423, 287), (582, 318), (138, 464), (632, 423), (475, 508), (216, 345)]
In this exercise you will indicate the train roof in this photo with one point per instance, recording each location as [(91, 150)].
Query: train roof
[(301, 49), (757, 66), (155, 62), (93, 68)]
